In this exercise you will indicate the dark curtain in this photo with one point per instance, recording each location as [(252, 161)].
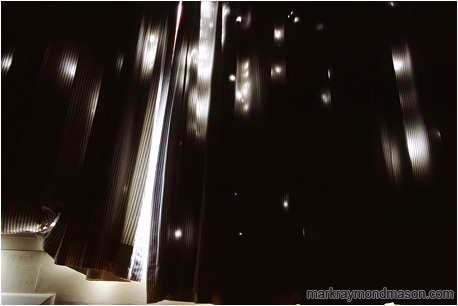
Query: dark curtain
[(251, 151), (79, 104)]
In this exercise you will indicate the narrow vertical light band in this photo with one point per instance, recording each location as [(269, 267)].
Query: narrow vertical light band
[(415, 128)]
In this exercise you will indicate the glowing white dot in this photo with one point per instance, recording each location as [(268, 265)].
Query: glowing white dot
[(417, 144), (70, 68), (398, 64), (53, 224), (238, 19), (235, 193), (246, 107), (329, 73), (152, 38), (297, 19), (246, 65), (240, 233), (6, 62), (325, 97), (292, 13), (277, 69), (178, 233), (277, 34), (391, 4), (232, 78), (285, 204)]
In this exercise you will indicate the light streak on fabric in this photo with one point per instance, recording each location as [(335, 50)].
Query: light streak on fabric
[(415, 128)]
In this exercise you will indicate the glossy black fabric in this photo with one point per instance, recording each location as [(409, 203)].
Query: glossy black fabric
[(78, 118), (336, 167)]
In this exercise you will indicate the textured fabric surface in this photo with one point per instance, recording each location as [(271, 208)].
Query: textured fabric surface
[(234, 152)]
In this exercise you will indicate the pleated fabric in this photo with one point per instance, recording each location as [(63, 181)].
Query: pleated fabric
[(93, 103), (239, 152)]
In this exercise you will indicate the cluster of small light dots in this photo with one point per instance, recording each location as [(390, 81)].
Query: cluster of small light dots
[(296, 18)]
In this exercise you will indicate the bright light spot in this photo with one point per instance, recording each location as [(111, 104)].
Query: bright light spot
[(285, 204), (246, 107), (70, 68), (277, 69), (417, 144), (319, 27), (391, 4), (329, 73), (239, 19), (240, 233), (226, 10), (149, 53), (232, 78), (178, 233), (292, 13), (6, 62), (438, 134), (53, 224), (246, 65), (326, 97), (278, 35), (235, 193), (296, 19), (238, 95), (398, 64)]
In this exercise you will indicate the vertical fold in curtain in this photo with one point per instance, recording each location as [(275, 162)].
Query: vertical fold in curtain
[(179, 185), (101, 233), (123, 187), (91, 122)]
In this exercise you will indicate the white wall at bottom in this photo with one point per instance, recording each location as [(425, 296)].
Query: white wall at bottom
[(26, 269)]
